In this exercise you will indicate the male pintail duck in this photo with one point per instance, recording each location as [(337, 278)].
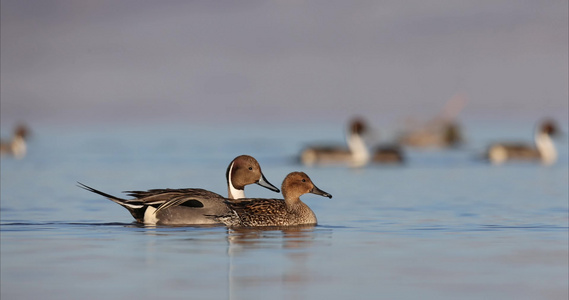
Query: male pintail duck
[(275, 212), (17, 145), (191, 206), (543, 149), (356, 155)]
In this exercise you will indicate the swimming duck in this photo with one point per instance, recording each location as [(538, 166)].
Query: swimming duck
[(190, 206), (443, 131), (357, 154), (17, 145), (275, 212), (543, 149), (438, 134)]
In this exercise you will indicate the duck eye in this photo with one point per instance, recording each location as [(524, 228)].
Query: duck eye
[(303, 180), (250, 168)]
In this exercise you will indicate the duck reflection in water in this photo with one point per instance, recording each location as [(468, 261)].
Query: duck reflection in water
[(288, 237), (293, 246)]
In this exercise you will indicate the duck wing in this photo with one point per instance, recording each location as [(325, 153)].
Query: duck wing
[(165, 198)]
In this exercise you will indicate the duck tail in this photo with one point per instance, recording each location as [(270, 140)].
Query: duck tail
[(130, 205)]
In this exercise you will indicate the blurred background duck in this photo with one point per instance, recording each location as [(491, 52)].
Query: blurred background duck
[(357, 154), (443, 131), (438, 134), (16, 147), (543, 149)]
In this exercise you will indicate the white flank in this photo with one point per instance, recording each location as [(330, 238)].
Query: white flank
[(497, 154), (150, 216)]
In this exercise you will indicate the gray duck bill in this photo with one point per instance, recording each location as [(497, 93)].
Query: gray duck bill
[(266, 184), (320, 192)]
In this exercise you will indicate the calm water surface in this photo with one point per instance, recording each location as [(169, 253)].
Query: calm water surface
[(444, 226)]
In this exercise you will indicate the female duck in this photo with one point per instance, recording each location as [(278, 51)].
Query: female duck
[(191, 206), (543, 149), (275, 212)]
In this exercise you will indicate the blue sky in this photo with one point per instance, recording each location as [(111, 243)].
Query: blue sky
[(199, 61)]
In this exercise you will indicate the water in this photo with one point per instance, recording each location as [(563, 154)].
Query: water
[(444, 226)]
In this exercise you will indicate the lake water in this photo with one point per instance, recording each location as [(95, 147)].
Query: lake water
[(443, 226)]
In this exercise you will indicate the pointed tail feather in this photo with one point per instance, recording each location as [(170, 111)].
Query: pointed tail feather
[(123, 202)]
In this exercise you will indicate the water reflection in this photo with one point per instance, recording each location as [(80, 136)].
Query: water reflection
[(249, 268), (256, 258), (300, 236)]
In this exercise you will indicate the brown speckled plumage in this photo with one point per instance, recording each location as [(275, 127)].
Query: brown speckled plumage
[(253, 212)]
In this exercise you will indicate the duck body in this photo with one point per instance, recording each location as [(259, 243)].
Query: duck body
[(500, 153), (152, 207), (268, 212), (325, 155), (188, 211)]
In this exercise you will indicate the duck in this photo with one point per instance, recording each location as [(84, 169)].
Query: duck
[(356, 154), (190, 206), (16, 147), (438, 134), (442, 131), (543, 150), (290, 211)]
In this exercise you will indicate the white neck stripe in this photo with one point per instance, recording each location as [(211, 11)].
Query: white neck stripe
[(546, 148), (233, 192), (358, 148)]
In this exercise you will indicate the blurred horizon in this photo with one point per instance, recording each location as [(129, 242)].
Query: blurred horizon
[(203, 62)]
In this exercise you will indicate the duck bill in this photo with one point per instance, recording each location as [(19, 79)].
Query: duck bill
[(320, 192), (266, 184)]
